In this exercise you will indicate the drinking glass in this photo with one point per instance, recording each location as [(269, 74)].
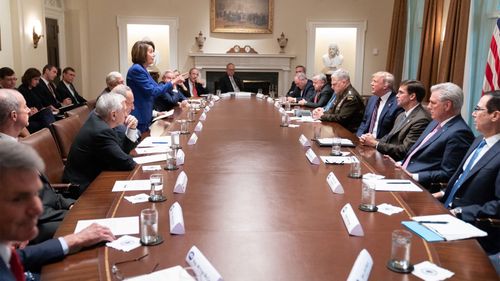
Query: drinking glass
[(400, 251)]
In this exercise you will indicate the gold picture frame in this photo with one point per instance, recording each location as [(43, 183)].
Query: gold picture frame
[(241, 16)]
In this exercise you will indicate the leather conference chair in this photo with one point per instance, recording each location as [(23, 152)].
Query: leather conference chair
[(65, 131), (44, 143), (91, 104), (82, 111)]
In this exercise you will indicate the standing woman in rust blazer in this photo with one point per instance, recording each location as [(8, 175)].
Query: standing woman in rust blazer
[(143, 86)]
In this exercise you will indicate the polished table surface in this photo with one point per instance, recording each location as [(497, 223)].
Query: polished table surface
[(258, 209)]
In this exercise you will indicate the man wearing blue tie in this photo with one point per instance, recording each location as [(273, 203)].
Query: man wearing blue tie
[(473, 192)]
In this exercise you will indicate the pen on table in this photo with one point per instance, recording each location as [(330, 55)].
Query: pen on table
[(436, 222), (159, 142), (398, 182)]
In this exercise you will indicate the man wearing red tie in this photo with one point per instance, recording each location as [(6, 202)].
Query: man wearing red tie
[(322, 92), (194, 86), (21, 206)]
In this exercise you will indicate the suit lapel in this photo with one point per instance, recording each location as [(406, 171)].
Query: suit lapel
[(484, 160)]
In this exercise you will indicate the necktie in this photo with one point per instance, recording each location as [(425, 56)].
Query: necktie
[(16, 267), (52, 89), (330, 103), (233, 84), (432, 133), (73, 93), (316, 98), (373, 120), (195, 92), (461, 178)]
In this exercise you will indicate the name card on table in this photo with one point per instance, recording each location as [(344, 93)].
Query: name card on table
[(203, 268), (304, 141), (362, 267), (176, 219), (198, 127), (334, 183), (277, 104), (282, 110), (351, 221), (192, 140), (181, 183), (203, 116), (312, 157), (180, 157), (270, 100), (207, 109), (260, 96)]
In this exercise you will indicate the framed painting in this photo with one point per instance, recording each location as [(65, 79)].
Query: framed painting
[(241, 16)]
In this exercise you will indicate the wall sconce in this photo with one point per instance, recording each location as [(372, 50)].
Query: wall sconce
[(36, 38)]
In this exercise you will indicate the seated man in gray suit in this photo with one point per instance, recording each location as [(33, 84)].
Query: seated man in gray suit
[(408, 126), (442, 146), (322, 92), (304, 90)]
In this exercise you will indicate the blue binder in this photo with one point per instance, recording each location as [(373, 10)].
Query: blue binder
[(422, 231)]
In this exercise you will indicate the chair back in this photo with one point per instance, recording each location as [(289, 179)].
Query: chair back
[(44, 143), (82, 112), (65, 131)]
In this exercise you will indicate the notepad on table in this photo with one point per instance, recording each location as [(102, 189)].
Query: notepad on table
[(329, 142)]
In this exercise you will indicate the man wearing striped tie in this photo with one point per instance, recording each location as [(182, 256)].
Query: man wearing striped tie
[(473, 192)]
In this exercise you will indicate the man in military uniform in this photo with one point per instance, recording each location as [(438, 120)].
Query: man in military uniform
[(348, 108)]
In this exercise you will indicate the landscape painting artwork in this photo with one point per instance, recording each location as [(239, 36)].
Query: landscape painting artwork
[(240, 16)]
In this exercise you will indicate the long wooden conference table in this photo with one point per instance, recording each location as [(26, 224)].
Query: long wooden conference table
[(258, 210)]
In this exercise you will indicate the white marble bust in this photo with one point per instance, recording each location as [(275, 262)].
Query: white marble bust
[(333, 59)]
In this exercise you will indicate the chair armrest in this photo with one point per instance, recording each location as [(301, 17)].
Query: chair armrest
[(491, 222)]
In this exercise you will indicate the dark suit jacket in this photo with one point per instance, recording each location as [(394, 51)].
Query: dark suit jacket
[(347, 110), (307, 94), (401, 138), (63, 93), (96, 148), (199, 88), (145, 89), (226, 86), (479, 194), (386, 119), (291, 91), (439, 157), (55, 207), (34, 257), (168, 101), (323, 98), (31, 96), (45, 95)]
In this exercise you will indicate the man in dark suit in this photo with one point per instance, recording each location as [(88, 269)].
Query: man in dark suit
[(304, 89), (382, 108), (230, 82), (20, 207), (473, 192), (348, 107), (47, 91), (194, 86), (322, 92), (97, 147), (173, 98), (65, 88), (435, 156), (293, 88), (408, 126)]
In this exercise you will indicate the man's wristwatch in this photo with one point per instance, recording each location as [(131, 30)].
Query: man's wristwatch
[(458, 212)]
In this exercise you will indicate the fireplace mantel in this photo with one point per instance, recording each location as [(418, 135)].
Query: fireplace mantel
[(280, 63)]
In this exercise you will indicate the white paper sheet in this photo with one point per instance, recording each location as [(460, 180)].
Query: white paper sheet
[(155, 141), (176, 273), (132, 185), (153, 149), (118, 226), (150, 158), (337, 159), (167, 114), (396, 185), (430, 272), (452, 229)]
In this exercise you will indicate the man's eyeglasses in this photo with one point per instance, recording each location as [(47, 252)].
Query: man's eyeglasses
[(477, 108)]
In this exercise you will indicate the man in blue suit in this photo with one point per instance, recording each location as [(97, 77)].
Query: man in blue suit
[(473, 191), (20, 207), (435, 156), (382, 108)]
